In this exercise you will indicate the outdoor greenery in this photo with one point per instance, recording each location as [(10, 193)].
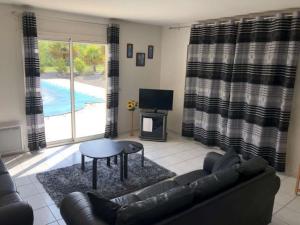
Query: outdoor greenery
[(87, 58)]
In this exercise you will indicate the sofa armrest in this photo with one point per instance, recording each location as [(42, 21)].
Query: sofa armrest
[(16, 214), (210, 160), (76, 209)]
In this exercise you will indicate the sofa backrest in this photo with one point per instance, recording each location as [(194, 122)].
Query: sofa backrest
[(249, 202)]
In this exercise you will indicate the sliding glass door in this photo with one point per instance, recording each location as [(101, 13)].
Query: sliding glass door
[(73, 85)]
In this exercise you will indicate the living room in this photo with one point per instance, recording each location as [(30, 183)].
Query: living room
[(161, 112)]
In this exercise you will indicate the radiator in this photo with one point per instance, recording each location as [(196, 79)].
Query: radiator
[(10, 138)]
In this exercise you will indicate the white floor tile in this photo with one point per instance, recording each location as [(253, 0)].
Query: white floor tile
[(43, 216), (36, 201), (289, 216), (27, 190), (55, 211)]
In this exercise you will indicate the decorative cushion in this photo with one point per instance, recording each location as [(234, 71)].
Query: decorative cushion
[(186, 179), (155, 189), (252, 167), (228, 160), (104, 208), (156, 208), (214, 183), (126, 199)]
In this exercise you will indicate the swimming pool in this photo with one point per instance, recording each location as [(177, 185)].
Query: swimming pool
[(56, 99)]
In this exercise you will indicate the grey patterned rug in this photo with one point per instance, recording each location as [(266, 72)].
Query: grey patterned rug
[(60, 182)]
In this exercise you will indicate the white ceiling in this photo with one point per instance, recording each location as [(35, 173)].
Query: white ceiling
[(160, 12)]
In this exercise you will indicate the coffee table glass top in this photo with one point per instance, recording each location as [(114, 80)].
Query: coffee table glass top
[(101, 148)]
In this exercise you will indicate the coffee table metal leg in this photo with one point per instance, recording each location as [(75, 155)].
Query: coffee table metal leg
[(108, 161), (94, 173), (82, 163), (143, 158), (121, 167), (125, 166), (116, 159)]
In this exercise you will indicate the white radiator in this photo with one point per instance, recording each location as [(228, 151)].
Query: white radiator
[(10, 138)]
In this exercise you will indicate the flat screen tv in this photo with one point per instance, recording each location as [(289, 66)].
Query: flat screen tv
[(156, 99)]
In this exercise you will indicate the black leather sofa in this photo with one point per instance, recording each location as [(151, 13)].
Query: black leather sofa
[(13, 211), (247, 201)]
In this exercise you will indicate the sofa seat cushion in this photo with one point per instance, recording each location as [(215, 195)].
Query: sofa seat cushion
[(10, 199), (214, 183), (3, 169), (156, 189), (252, 167), (228, 160), (104, 208), (7, 186), (154, 209), (186, 179), (126, 199)]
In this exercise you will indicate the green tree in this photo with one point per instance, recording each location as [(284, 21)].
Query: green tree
[(94, 55), (79, 65), (59, 52)]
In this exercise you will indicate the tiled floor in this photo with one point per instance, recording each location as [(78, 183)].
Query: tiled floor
[(177, 154)]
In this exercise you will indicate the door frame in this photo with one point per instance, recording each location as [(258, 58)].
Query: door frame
[(73, 138)]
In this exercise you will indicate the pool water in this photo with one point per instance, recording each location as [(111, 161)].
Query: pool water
[(56, 99)]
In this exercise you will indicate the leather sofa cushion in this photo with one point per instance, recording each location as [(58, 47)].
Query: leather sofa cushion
[(252, 167), (3, 169), (214, 183), (10, 199), (104, 208), (228, 160), (154, 209), (156, 189), (126, 199), (186, 179), (7, 186)]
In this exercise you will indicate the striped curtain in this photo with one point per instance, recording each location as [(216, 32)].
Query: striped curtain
[(34, 103), (239, 85), (112, 102)]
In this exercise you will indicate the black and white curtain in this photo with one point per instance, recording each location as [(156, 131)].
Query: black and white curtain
[(239, 85), (111, 128), (34, 103)]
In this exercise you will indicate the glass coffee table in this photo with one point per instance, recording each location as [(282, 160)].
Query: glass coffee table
[(100, 149)]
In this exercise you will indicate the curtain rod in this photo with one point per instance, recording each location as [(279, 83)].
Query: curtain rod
[(237, 18), (62, 19)]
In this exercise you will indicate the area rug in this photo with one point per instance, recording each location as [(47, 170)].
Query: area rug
[(60, 182)]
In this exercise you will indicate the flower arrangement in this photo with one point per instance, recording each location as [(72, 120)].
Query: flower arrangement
[(131, 105)]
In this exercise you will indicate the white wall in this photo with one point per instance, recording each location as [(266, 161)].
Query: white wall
[(54, 25), (131, 77), (173, 69), (12, 97)]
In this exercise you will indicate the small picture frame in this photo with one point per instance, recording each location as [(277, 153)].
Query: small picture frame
[(140, 59), (150, 51), (129, 50)]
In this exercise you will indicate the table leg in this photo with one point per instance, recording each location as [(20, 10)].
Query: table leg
[(143, 158), (121, 167), (297, 189), (125, 166), (108, 161), (116, 159), (94, 173), (82, 163)]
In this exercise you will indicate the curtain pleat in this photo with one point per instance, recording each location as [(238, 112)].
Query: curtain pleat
[(111, 128), (239, 85), (34, 103)]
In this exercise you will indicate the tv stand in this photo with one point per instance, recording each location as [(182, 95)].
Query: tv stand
[(153, 125)]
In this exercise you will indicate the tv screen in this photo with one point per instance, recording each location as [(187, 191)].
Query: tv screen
[(156, 99)]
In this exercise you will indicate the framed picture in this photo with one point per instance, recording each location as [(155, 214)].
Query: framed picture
[(129, 50), (140, 59), (150, 51)]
